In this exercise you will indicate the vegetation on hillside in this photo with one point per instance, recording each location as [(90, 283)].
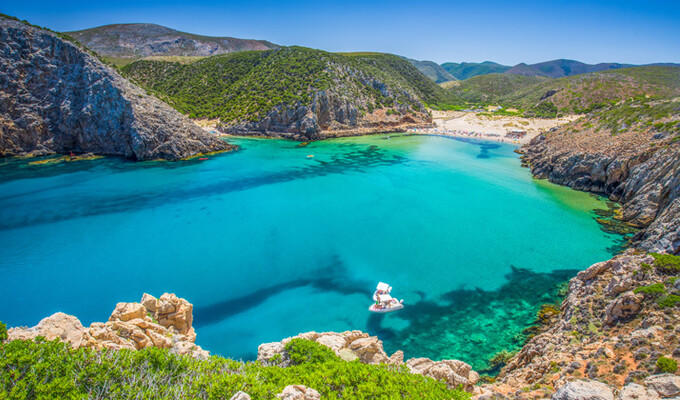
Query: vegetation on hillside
[(42, 370), (246, 86), (468, 70)]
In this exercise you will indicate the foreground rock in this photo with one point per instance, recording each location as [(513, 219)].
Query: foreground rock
[(298, 392), (57, 98), (351, 345), (164, 323), (582, 390)]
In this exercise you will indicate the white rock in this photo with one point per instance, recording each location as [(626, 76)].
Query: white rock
[(634, 391), (584, 390), (666, 385)]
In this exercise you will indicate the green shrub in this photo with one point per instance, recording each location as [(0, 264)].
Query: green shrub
[(667, 263), (665, 364), (3, 332), (500, 359), (653, 290), (668, 301), (53, 370), (306, 351)]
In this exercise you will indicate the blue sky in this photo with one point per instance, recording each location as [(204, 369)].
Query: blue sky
[(508, 32)]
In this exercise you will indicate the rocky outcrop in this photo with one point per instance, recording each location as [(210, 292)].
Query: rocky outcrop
[(164, 323), (351, 345), (57, 98), (329, 115), (606, 330), (644, 178)]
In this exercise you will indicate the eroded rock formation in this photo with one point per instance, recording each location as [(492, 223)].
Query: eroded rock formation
[(164, 323), (57, 98)]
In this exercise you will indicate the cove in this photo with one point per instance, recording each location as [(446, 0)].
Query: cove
[(267, 243)]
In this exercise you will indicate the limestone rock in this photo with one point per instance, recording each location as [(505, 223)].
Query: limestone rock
[(175, 312), (666, 385), (584, 390), (150, 303), (625, 306), (240, 396), (266, 353), (298, 392), (60, 326), (634, 391), (334, 342), (593, 271)]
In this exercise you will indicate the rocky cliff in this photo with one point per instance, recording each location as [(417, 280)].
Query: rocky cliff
[(56, 97), (619, 318), (638, 166)]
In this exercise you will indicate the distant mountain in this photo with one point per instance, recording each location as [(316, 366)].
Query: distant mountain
[(135, 41), (550, 69), (432, 70), (467, 70)]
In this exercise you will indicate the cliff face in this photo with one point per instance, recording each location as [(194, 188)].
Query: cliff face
[(641, 172), (57, 98)]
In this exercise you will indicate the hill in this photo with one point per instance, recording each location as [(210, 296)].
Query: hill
[(545, 97), (122, 43), (561, 68), (468, 70), (432, 70), (586, 92), (294, 92), (59, 98)]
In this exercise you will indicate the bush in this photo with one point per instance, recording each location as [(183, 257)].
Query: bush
[(53, 370), (652, 290), (669, 301), (306, 351), (3, 332), (667, 263), (665, 364)]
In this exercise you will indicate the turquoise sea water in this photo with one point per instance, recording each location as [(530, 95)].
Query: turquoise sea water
[(267, 243)]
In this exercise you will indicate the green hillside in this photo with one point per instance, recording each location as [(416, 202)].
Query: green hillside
[(467, 70), (432, 70), (246, 86), (583, 93), (546, 97)]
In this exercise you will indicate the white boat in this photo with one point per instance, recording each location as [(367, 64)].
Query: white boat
[(386, 304), (382, 288)]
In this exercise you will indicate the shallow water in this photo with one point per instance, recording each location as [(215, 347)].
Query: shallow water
[(267, 243)]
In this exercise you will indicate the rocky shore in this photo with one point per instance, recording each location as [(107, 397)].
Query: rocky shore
[(56, 97), (639, 169), (618, 320)]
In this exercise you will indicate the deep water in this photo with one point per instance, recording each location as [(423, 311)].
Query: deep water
[(267, 243)]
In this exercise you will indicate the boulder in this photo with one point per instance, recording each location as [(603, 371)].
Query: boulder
[(455, 373), (128, 311), (267, 351), (397, 358), (334, 342), (60, 326), (150, 303), (298, 392), (240, 396), (625, 306), (174, 312), (666, 385), (584, 390), (593, 271), (634, 391), (370, 350)]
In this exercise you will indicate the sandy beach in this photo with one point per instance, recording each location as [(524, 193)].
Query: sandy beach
[(490, 127)]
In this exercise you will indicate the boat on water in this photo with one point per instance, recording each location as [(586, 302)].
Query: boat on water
[(384, 302)]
